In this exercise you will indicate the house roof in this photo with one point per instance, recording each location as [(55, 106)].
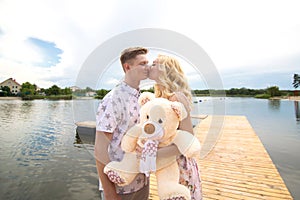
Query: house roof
[(11, 79)]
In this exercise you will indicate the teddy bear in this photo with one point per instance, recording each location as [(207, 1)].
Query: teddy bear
[(158, 127)]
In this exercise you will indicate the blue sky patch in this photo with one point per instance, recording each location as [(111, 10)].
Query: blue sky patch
[(51, 54)]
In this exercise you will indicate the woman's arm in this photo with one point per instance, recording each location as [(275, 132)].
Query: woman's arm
[(168, 151), (186, 123)]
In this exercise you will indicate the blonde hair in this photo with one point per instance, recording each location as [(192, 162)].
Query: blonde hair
[(172, 79)]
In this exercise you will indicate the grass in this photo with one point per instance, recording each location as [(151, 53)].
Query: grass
[(262, 96)]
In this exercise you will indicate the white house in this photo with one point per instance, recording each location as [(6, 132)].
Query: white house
[(74, 88), (14, 86)]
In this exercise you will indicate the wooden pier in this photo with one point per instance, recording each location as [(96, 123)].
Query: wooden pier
[(238, 167)]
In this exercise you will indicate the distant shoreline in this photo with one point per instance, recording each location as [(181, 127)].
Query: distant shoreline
[(291, 98), (20, 98), (10, 98)]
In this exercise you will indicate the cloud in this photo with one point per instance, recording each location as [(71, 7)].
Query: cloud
[(19, 50), (76, 28), (259, 80), (234, 34), (53, 21), (277, 72)]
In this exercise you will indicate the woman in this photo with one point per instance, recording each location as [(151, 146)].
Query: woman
[(172, 84)]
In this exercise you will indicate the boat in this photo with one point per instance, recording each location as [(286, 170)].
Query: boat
[(85, 132)]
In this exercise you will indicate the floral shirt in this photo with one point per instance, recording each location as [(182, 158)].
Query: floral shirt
[(118, 112)]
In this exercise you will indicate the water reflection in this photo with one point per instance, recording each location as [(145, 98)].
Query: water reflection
[(274, 104), (38, 157), (8, 110), (42, 158), (297, 110)]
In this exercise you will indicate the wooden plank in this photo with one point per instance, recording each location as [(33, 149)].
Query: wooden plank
[(238, 167), (153, 188)]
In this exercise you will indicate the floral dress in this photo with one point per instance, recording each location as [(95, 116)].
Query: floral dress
[(189, 173), (190, 177)]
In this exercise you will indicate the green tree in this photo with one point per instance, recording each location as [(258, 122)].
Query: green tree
[(6, 91), (151, 89), (233, 91), (88, 89), (273, 91), (53, 90), (101, 93), (28, 89), (66, 91), (42, 91), (296, 81)]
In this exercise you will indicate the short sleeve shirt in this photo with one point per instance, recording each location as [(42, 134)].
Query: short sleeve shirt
[(117, 112)]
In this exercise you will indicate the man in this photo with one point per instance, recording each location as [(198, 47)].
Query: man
[(118, 112)]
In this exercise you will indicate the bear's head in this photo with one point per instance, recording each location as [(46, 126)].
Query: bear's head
[(160, 118)]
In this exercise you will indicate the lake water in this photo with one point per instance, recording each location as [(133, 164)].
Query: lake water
[(41, 158)]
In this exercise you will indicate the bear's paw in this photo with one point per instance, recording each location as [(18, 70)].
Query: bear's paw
[(114, 177)]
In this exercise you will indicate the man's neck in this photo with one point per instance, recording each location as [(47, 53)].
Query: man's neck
[(132, 83)]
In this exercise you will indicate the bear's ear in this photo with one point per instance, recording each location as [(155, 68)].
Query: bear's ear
[(179, 109), (145, 97)]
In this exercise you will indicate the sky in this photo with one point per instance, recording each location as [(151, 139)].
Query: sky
[(253, 44)]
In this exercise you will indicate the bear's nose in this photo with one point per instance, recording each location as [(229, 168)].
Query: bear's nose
[(149, 128)]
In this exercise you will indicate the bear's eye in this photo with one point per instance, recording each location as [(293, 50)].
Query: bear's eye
[(160, 121), (147, 116)]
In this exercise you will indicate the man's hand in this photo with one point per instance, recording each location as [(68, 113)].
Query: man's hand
[(109, 189)]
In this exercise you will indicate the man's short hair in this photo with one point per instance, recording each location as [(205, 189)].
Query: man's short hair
[(131, 53)]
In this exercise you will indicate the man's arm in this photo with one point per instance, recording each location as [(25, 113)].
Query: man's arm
[(102, 142)]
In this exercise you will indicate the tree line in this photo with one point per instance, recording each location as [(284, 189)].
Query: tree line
[(269, 92), (245, 92), (272, 91), (29, 90)]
